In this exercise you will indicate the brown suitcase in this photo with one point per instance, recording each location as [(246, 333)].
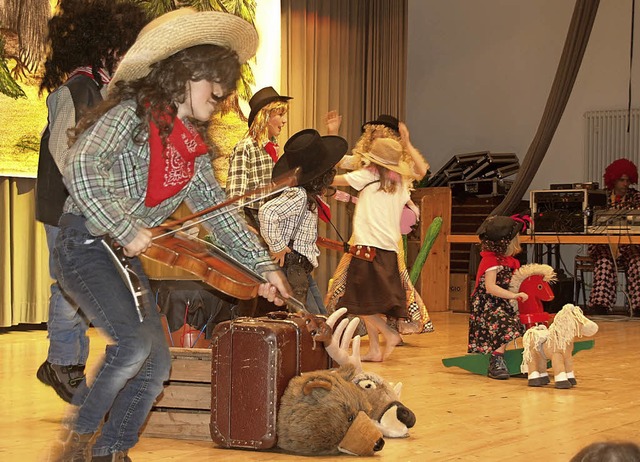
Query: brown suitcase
[(252, 363)]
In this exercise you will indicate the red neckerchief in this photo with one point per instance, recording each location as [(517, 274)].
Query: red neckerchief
[(272, 150), (172, 166), (491, 259), (324, 212)]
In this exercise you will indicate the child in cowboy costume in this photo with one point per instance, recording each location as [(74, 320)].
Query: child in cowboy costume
[(87, 40), (134, 161), (289, 222), (493, 321), (374, 290), (252, 159), (386, 126)]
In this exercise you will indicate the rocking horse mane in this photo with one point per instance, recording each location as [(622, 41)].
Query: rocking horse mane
[(531, 269), (566, 325)]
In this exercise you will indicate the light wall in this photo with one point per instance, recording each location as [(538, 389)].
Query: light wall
[(266, 67), (479, 73)]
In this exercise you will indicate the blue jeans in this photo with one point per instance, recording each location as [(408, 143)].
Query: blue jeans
[(137, 361), (68, 340), (315, 302)]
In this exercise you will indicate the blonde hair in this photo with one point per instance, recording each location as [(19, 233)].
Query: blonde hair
[(389, 180), (513, 248), (259, 129), (364, 145)]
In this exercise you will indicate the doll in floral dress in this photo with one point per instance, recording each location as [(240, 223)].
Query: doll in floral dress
[(493, 321)]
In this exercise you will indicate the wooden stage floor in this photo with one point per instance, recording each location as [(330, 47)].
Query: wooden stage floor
[(460, 416)]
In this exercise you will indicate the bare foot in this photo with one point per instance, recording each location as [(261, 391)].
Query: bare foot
[(390, 344), (372, 356)]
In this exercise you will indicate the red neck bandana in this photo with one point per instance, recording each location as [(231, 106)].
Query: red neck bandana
[(272, 150), (324, 212), (172, 166)]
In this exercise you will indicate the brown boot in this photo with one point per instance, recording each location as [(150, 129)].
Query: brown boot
[(120, 456), (75, 447)]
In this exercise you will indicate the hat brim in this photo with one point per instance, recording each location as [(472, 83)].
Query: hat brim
[(183, 30), (336, 147), (402, 167), (266, 101)]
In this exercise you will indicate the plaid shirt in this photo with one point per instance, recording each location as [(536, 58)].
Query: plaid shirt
[(106, 175), (250, 167), (279, 218)]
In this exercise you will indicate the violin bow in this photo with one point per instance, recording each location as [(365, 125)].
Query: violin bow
[(281, 183)]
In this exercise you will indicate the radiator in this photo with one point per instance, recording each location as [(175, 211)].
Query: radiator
[(607, 139)]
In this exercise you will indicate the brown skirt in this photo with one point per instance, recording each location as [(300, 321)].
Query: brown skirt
[(375, 287)]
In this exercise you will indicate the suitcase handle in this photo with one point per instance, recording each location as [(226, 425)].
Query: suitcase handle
[(277, 315)]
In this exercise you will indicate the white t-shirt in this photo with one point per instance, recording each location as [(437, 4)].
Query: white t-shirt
[(377, 216)]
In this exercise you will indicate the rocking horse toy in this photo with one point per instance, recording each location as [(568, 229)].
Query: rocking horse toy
[(534, 280), (555, 343)]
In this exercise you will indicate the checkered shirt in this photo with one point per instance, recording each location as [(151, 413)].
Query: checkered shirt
[(106, 175), (250, 167), (279, 218)]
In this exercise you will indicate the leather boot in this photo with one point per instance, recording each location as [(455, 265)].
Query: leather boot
[(75, 447), (120, 456), (498, 368)]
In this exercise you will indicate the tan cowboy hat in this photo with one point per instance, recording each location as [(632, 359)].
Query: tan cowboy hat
[(180, 29), (387, 153)]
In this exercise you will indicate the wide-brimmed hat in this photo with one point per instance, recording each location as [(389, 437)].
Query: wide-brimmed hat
[(314, 154), (181, 29), (387, 153), (386, 120), (261, 98), (499, 228)]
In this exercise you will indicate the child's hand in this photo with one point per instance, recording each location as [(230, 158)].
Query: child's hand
[(278, 257), (404, 132), (522, 297), (332, 121)]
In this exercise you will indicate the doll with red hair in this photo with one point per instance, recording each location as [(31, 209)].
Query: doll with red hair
[(618, 177)]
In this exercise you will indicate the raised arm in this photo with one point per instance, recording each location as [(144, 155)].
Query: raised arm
[(421, 166)]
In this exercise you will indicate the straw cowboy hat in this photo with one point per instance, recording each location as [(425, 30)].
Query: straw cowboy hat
[(313, 153), (384, 119), (261, 98), (387, 153), (181, 29)]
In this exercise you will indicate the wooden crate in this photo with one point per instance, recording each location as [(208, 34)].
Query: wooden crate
[(459, 291), (183, 411)]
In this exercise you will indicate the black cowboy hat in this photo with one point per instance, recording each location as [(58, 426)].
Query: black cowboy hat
[(261, 98), (314, 154), (386, 120), (497, 228)]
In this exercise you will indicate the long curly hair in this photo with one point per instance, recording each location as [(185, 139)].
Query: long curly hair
[(616, 169), (158, 94), (95, 33)]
